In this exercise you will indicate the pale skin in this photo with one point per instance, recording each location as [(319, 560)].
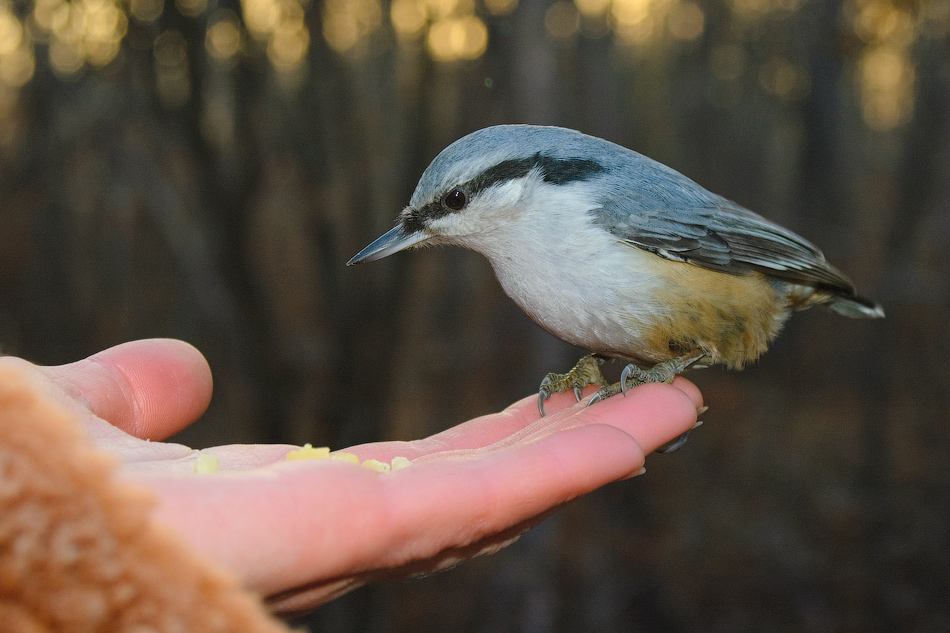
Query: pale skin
[(304, 532)]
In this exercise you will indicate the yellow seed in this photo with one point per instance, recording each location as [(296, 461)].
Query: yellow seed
[(206, 464), (375, 464), (308, 452), (401, 462), (343, 456)]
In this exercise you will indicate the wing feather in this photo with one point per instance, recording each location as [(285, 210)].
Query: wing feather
[(677, 219)]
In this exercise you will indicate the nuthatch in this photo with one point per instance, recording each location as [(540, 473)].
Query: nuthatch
[(616, 253)]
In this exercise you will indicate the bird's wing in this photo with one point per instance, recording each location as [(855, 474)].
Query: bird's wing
[(679, 220)]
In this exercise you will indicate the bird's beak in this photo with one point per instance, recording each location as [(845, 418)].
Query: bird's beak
[(395, 240)]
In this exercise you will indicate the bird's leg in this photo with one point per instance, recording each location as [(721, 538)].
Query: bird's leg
[(585, 372), (665, 371)]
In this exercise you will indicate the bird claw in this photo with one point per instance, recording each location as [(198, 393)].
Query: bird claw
[(623, 379), (586, 372), (639, 376), (665, 371), (675, 445)]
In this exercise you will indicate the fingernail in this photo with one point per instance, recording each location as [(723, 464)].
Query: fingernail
[(636, 473), (702, 410)]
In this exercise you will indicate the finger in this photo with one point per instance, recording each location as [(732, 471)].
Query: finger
[(322, 519), (653, 414), (150, 389), (689, 389)]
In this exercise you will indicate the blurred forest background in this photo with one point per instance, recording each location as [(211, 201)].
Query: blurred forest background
[(203, 169)]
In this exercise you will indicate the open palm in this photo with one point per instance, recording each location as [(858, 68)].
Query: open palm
[(304, 532)]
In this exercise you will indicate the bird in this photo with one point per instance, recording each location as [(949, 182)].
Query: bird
[(617, 254)]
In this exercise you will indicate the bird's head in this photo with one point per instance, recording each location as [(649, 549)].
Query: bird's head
[(488, 180)]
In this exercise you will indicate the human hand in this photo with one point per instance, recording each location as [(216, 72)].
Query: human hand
[(305, 532)]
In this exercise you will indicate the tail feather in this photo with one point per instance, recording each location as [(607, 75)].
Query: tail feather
[(855, 307)]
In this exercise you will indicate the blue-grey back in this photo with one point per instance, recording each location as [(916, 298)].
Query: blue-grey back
[(640, 200)]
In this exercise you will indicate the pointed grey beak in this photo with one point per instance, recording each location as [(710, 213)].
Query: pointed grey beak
[(391, 242)]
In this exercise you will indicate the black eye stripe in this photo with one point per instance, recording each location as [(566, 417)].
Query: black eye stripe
[(559, 171)]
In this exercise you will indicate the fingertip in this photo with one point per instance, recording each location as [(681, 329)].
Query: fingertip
[(150, 388), (171, 381), (653, 414), (691, 390)]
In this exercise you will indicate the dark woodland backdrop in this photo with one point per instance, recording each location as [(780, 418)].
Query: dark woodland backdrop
[(202, 169)]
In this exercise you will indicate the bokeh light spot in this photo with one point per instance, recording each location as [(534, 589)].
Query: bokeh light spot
[(223, 39), (348, 23), (686, 21), (408, 17), (458, 38), (146, 10), (191, 8), (562, 20), (501, 7), (592, 8)]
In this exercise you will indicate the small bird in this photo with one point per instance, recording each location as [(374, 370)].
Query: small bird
[(616, 253)]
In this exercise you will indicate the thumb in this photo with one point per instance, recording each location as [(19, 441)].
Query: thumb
[(150, 389)]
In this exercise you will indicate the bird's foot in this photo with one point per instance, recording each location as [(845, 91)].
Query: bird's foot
[(633, 376), (585, 372)]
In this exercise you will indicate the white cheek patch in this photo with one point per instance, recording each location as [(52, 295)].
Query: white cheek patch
[(483, 212), (500, 198)]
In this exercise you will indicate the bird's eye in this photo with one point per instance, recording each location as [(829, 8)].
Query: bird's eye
[(455, 200)]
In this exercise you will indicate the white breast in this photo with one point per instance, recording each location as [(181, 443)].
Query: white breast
[(570, 275)]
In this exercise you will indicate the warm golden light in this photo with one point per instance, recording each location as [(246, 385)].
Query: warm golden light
[(408, 17), (223, 39), (451, 30), (341, 31), (885, 71), (438, 9), (191, 8), (43, 12), (646, 22), (17, 67), (879, 20), (85, 31), (288, 46), (501, 7), (562, 20), (887, 79), (146, 10), (347, 23), (459, 38), (17, 63), (627, 13), (64, 57), (11, 31), (592, 8), (686, 21), (280, 25)]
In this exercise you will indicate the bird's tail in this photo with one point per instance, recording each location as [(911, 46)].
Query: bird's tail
[(855, 307)]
